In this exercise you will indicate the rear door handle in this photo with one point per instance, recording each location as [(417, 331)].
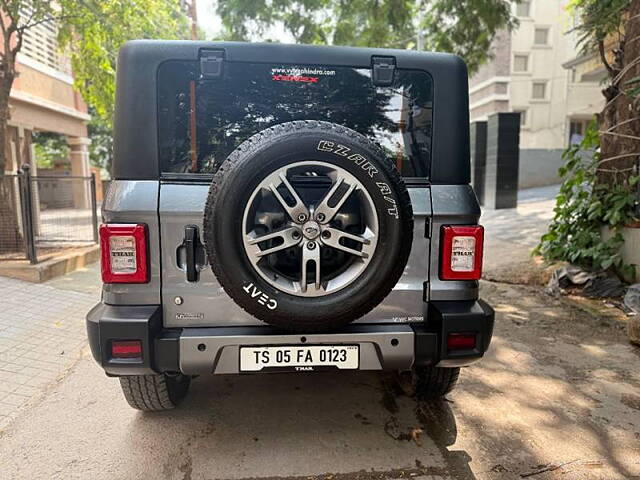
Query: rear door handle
[(191, 243)]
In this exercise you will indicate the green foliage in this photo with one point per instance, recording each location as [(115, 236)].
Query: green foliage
[(583, 206), (49, 147), (94, 30), (464, 28), (597, 19), (101, 148)]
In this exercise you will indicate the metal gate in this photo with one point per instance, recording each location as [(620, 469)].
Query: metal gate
[(42, 214)]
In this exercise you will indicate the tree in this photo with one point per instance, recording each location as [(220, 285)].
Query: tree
[(612, 28), (101, 148), (16, 17), (464, 28), (94, 30), (601, 176), (49, 147)]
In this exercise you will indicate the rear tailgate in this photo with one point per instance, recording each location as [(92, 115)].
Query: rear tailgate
[(204, 303)]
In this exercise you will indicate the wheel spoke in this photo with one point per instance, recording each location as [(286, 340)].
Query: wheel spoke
[(296, 210), (337, 235), (310, 256), (284, 215), (288, 236), (324, 210)]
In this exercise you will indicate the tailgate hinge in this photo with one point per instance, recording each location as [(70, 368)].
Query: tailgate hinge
[(211, 62), (383, 69)]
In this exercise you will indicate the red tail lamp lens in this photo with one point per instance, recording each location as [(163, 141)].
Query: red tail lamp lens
[(461, 252), (461, 341), (126, 349), (124, 253)]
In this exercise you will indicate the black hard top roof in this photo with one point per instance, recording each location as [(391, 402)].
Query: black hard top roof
[(135, 123)]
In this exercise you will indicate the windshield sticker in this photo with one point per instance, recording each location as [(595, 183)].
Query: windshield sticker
[(299, 74)]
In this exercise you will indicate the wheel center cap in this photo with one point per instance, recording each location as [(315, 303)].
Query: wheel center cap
[(311, 229)]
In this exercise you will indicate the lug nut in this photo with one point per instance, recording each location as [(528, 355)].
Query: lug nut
[(311, 245), (320, 217), (295, 235), (302, 217), (326, 234)]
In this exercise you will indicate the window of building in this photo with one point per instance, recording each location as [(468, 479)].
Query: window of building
[(521, 63), (539, 91), (577, 129), (523, 9), (541, 36)]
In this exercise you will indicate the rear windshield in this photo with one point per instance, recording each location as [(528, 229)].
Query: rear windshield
[(202, 121)]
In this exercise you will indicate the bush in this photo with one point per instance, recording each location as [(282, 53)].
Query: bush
[(583, 206)]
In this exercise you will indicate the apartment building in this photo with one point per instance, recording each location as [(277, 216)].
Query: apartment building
[(43, 99), (536, 71)]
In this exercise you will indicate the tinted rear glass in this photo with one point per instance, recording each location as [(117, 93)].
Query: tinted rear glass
[(202, 121)]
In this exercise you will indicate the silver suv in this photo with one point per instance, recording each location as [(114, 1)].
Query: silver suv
[(287, 208)]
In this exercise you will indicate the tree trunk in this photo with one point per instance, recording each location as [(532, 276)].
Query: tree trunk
[(11, 240), (620, 119), (10, 234)]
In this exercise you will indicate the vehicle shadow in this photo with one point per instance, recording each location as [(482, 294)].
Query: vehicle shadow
[(344, 424)]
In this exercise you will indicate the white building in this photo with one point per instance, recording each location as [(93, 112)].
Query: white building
[(533, 72)]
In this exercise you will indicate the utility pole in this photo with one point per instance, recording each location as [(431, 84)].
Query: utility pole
[(193, 15)]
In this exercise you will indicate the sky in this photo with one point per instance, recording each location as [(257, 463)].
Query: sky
[(208, 20)]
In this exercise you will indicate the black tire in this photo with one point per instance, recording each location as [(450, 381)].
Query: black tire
[(153, 393), (434, 382), (261, 155)]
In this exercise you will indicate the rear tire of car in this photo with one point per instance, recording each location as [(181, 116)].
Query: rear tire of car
[(434, 382), (154, 393)]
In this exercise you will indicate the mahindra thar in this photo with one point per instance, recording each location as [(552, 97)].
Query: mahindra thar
[(288, 208)]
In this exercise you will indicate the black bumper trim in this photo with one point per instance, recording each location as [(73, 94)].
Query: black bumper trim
[(106, 323), (161, 347), (444, 317)]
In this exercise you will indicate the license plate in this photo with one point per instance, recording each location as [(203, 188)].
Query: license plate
[(299, 358)]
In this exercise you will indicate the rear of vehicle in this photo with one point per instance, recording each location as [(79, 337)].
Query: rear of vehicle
[(288, 208)]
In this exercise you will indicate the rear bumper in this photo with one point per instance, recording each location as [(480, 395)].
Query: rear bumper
[(216, 350)]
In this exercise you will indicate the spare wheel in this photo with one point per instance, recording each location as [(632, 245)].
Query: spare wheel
[(308, 226)]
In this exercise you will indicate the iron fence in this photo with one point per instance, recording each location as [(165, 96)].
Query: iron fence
[(42, 214)]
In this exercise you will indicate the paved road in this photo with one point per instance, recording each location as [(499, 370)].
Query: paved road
[(511, 234), (559, 388)]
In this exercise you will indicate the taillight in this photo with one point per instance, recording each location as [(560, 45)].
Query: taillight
[(461, 341), (461, 252), (126, 349), (124, 253)]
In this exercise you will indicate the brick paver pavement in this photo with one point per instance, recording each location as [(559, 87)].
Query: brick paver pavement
[(41, 333), (511, 234)]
